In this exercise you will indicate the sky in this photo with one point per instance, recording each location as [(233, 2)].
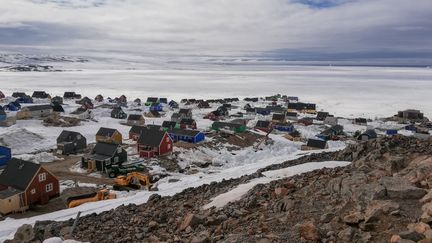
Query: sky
[(292, 29)]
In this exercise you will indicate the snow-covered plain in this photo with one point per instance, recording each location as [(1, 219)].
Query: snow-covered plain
[(344, 91)]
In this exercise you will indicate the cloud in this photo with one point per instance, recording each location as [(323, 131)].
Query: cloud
[(218, 27)]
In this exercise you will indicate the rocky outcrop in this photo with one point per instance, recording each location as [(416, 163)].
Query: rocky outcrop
[(384, 196)]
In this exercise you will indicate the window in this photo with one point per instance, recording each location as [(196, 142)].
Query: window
[(42, 177), (48, 187), (33, 191), (167, 139), (169, 146)]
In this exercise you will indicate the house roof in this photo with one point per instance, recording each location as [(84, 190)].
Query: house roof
[(291, 114), (152, 99), (227, 124), (334, 130), (187, 121), (151, 137), (279, 117), (18, 173), (175, 115), (67, 136), (184, 132), (106, 132), (169, 124), (105, 149), (134, 117), (137, 129), (185, 111), (316, 143), (262, 123)]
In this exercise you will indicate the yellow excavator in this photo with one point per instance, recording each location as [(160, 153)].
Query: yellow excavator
[(132, 181), (102, 194)]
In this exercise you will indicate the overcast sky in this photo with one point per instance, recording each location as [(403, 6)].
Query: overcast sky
[(309, 28)]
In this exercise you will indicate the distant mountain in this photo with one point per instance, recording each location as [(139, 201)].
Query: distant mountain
[(35, 63)]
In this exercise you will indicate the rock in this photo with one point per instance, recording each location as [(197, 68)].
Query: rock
[(421, 227), (353, 218), (427, 240), (411, 235), (377, 208), (24, 233), (427, 198), (281, 192), (153, 225), (191, 220), (346, 234), (405, 241), (395, 238), (327, 217), (397, 187), (309, 231), (428, 233)]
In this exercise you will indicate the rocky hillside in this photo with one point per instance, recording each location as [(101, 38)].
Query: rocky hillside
[(384, 195)]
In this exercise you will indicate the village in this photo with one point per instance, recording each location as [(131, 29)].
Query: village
[(106, 147)]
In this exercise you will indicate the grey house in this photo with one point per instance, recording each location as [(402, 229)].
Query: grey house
[(104, 156), (69, 142)]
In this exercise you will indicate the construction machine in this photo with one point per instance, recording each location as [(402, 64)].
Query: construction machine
[(132, 181), (103, 194), (116, 170)]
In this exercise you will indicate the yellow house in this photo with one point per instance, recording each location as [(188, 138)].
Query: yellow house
[(109, 135)]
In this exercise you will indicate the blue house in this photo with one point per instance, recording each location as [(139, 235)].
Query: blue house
[(190, 136), (391, 132), (5, 155), (411, 127), (263, 111), (284, 127), (25, 99), (13, 106), (156, 107)]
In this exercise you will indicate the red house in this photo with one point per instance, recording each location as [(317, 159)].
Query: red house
[(154, 142), (24, 183), (188, 123)]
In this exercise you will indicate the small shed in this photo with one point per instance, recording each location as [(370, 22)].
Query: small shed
[(368, 135), (151, 100), (154, 142), (313, 144), (2, 96), (284, 126)]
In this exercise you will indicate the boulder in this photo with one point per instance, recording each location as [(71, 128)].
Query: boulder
[(411, 235), (191, 220), (376, 209), (281, 192), (353, 218), (309, 232), (24, 233), (400, 188)]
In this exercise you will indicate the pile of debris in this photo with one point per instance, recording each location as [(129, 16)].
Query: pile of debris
[(55, 120), (385, 195)]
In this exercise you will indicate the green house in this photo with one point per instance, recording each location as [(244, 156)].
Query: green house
[(237, 128)]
